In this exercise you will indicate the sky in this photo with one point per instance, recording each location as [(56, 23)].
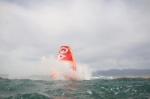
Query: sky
[(103, 34)]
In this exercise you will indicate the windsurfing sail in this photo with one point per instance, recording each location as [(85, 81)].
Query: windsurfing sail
[(65, 55)]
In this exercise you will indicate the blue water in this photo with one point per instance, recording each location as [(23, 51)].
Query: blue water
[(121, 88)]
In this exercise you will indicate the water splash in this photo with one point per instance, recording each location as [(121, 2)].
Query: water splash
[(41, 70), (83, 72)]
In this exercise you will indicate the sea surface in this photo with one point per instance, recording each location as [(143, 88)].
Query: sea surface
[(119, 88)]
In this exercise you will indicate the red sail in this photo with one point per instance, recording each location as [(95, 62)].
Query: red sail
[(65, 54)]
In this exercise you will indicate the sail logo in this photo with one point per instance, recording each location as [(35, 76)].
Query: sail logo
[(62, 53), (63, 50)]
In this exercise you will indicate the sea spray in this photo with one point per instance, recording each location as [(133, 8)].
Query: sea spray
[(41, 70), (83, 72)]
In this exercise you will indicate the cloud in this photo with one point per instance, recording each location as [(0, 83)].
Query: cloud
[(103, 34)]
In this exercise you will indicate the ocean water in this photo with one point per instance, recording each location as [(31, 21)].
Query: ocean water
[(119, 88)]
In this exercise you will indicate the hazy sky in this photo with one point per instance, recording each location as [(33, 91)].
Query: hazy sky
[(103, 34)]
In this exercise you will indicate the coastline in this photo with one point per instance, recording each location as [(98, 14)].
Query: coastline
[(131, 76)]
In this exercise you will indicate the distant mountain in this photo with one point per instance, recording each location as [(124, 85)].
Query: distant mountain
[(123, 72)]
